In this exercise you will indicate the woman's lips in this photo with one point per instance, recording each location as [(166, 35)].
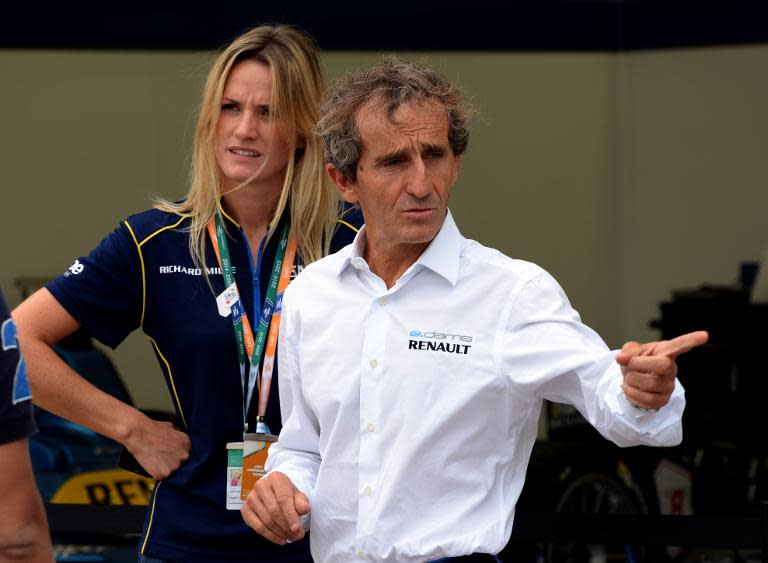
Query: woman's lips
[(244, 153)]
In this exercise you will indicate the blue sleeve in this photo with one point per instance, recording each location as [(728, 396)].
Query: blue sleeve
[(104, 291), (16, 421)]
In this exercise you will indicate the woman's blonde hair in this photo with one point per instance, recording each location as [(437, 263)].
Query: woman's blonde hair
[(297, 85)]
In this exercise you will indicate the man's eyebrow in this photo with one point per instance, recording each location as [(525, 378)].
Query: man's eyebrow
[(432, 148), (399, 154)]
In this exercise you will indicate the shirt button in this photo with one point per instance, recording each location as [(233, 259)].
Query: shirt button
[(374, 364), (383, 300), (368, 491), (371, 427), (360, 554), (357, 266)]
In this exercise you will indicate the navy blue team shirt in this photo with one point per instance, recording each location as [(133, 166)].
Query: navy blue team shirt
[(16, 421), (142, 276)]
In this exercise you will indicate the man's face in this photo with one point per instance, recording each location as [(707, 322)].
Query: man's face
[(404, 175)]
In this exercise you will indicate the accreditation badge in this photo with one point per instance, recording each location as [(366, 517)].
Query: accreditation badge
[(255, 450), (234, 475)]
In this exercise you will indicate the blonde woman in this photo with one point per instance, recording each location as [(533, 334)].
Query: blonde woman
[(195, 276)]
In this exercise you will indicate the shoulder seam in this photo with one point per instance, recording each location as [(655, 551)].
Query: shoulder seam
[(341, 221), (348, 210), (158, 231)]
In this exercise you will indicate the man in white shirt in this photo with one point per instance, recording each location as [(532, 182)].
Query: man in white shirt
[(414, 362)]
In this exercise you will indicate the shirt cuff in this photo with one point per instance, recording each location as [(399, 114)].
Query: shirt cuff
[(662, 427)]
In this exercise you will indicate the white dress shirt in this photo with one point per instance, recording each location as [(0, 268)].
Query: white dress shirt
[(410, 412)]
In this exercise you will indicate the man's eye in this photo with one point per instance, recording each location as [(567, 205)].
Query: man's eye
[(436, 155), (393, 161)]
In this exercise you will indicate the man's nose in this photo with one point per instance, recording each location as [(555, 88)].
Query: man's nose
[(420, 184)]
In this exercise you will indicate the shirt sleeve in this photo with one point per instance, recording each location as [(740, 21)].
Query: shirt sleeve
[(550, 354), (297, 451), (16, 420), (104, 291)]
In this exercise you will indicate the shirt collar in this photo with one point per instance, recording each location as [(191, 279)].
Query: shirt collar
[(441, 256), (283, 217), (225, 214)]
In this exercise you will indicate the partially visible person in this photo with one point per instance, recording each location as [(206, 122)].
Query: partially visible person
[(197, 277), (410, 442), (23, 526)]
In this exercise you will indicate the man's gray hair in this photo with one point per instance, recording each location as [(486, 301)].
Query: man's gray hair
[(391, 83)]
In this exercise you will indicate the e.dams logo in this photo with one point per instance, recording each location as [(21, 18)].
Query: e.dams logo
[(436, 341)]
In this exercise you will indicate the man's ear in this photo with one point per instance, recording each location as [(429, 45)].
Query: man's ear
[(343, 184)]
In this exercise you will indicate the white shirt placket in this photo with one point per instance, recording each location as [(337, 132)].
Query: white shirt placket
[(373, 368)]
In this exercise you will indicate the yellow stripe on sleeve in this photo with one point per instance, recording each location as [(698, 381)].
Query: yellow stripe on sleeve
[(173, 384), (143, 274), (151, 516)]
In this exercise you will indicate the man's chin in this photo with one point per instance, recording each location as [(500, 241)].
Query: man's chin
[(421, 235)]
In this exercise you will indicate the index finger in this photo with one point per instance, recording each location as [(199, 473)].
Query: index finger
[(632, 349), (285, 494), (682, 344)]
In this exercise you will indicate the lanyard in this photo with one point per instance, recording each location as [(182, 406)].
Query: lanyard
[(269, 321)]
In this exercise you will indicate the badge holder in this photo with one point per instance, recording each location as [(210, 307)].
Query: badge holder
[(255, 449), (234, 475)]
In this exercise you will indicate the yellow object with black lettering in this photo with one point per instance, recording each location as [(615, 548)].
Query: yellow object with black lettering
[(112, 486)]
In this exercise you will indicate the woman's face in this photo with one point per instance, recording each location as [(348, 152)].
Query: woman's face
[(246, 139)]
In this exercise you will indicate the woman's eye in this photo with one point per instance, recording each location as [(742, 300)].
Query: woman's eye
[(228, 107)]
